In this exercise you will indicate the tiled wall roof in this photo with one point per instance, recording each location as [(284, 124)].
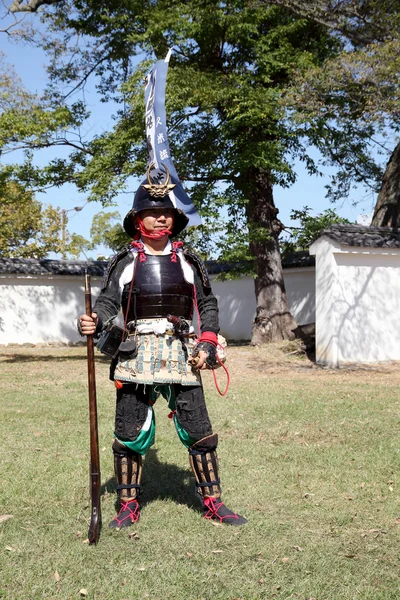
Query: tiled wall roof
[(364, 236), (33, 266)]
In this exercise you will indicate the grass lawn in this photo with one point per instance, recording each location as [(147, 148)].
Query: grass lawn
[(309, 455)]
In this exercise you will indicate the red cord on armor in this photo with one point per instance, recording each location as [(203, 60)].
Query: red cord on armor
[(213, 505), (140, 247), (174, 248), (171, 414), (176, 245)]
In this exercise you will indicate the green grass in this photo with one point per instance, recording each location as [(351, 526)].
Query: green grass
[(310, 456)]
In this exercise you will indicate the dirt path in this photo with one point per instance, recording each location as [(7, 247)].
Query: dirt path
[(245, 363)]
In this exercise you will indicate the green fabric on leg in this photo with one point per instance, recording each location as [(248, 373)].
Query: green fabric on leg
[(168, 392), (146, 436), (183, 435)]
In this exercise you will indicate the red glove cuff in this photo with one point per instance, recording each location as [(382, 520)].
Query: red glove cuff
[(210, 337)]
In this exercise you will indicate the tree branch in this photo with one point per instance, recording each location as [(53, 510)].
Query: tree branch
[(30, 6), (39, 146), (16, 22), (339, 19), (85, 77), (210, 179)]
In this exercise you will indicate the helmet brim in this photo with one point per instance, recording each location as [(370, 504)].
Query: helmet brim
[(180, 221)]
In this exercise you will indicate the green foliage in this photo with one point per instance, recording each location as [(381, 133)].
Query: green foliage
[(311, 227), (250, 86), (107, 230), (231, 65), (348, 106), (30, 230), (76, 245), (12, 92), (27, 230), (360, 23)]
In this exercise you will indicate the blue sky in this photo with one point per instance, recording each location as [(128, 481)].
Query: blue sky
[(29, 64)]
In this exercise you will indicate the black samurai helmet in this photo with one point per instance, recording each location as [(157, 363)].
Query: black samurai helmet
[(156, 191)]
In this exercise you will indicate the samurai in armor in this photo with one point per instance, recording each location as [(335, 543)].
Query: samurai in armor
[(158, 283)]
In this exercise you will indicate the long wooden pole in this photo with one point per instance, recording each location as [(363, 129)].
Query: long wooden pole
[(95, 477)]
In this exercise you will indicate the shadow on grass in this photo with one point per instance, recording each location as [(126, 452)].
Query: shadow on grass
[(24, 358), (161, 481)]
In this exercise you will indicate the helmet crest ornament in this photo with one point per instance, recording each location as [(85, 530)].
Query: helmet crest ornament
[(161, 188), (158, 190)]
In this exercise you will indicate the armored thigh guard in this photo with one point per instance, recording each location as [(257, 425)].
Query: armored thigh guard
[(134, 422), (191, 412)]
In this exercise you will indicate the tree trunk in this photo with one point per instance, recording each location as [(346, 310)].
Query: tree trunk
[(387, 208), (273, 321)]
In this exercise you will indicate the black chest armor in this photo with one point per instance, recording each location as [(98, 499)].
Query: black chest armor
[(159, 289)]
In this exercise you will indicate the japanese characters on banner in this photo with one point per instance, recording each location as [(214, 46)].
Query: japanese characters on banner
[(157, 138)]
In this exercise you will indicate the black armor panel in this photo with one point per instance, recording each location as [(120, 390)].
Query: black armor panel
[(159, 289), (196, 261)]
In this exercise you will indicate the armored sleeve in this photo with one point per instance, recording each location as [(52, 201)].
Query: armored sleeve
[(108, 303), (206, 301)]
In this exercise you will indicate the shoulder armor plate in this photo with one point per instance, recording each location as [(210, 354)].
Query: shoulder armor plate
[(112, 264), (196, 261)]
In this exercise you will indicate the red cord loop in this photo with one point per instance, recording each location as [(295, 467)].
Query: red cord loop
[(129, 511), (228, 378)]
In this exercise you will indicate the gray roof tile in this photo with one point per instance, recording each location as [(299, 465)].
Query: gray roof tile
[(45, 266), (363, 236), (33, 266)]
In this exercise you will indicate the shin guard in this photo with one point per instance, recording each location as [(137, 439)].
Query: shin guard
[(204, 462), (128, 472)]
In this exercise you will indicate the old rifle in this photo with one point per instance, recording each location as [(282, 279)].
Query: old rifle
[(95, 477)]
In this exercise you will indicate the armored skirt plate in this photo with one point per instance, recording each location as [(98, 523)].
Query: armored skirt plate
[(160, 359)]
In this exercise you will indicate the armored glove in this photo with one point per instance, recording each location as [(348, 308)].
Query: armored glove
[(210, 349)]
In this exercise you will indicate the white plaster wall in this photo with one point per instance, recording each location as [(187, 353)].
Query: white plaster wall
[(357, 304), (237, 303), (41, 310), (325, 293), (300, 291), (368, 307), (237, 307), (44, 310)]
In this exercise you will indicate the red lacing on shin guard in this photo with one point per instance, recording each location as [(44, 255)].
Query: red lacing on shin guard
[(133, 510), (213, 505)]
